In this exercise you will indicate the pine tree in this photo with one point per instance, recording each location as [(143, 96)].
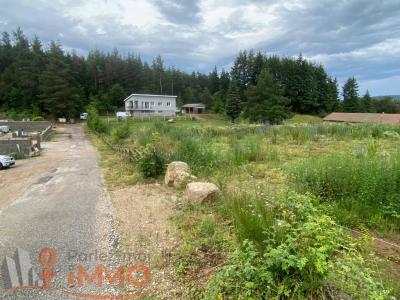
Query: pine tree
[(132, 75), (233, 103), (257, 65), (265, 102), (351, 102), (367, 104), (207, 98), (218, 104), (224, 84), (333, 103), (158, 72), (60, 94), (213, 79), (6, 57), (241, 70)]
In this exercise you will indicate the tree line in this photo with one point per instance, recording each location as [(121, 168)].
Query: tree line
[(270, 89), (38, 80), (352, 102)]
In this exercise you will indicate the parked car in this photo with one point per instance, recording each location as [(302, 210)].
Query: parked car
[(4, 129), (6, 161), (83, 116), (122, 115)]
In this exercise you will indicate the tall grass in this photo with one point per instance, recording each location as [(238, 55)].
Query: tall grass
[(200, 155), (300, 133), (361, 188), (208, 148)]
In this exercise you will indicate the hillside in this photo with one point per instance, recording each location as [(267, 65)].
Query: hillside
[(396, 97)]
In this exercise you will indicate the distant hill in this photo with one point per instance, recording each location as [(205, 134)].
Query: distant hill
[(396, 97)]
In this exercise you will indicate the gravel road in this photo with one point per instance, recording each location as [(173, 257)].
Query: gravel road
[(58, 201)]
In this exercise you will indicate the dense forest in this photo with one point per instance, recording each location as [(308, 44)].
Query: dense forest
[(45, 80)]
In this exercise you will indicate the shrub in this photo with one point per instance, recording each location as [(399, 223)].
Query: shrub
[(290, 250), (94, 122), (151, 162), (120, 132)]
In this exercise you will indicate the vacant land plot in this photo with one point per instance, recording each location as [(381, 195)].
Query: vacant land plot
[(294, 197)]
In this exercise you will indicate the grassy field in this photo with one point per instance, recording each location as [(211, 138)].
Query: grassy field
[(286, 193)]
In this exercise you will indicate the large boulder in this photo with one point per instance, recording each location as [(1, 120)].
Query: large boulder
[(200, 192), (178, 173)]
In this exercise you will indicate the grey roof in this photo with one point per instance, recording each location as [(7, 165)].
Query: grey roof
[(194, 105), (150, 95)]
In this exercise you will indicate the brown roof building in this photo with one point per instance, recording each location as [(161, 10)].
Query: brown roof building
[(363, 118)]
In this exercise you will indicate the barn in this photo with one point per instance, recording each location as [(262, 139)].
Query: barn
[(193, 108)]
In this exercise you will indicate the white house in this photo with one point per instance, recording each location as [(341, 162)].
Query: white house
[(146, 105)]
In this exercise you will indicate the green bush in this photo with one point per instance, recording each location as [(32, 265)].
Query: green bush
[(121, 132), (290, 250), (151, 162), (94, 121)]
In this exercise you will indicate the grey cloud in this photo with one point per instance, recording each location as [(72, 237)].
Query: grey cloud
[(180, 11)]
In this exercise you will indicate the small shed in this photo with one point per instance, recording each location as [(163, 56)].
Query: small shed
[(193, 108), (363, 118)]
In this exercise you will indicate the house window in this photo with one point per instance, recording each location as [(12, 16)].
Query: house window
[(151, 104), (136, 104), (146, 105), (168, 103), (159, 103)]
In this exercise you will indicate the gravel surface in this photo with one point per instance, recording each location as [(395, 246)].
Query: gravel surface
[(143, 216), (58, 200)]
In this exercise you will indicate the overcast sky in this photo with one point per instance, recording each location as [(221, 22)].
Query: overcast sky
[(358, 38)]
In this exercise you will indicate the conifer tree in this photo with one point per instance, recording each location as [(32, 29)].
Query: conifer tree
[(214, 81), (60, 94), (351, 102), (233, 103), (367, 103), (265, 102)]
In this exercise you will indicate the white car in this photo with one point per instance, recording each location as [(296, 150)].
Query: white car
[(6, 161), (4, 129), (122, 115), (83, 116)]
